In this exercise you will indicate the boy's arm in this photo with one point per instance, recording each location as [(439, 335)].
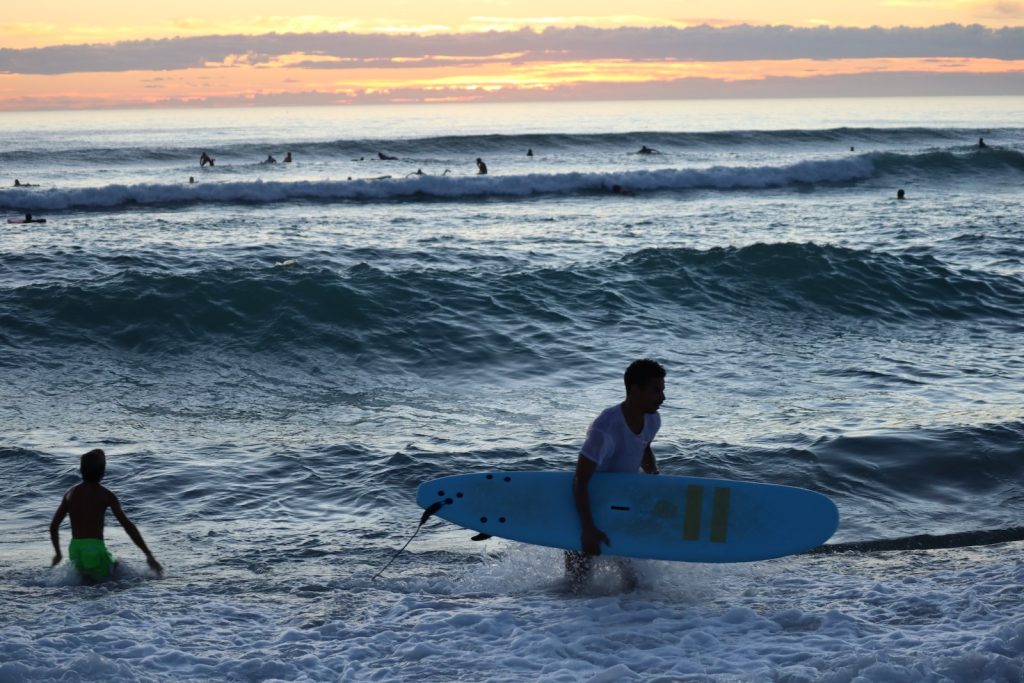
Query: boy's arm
[(133, 533), (58, 517)]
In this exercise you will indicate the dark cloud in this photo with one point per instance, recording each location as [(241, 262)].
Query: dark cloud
[(701, 43)]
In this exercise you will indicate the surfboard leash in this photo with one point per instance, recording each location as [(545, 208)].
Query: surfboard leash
[(427, 514)]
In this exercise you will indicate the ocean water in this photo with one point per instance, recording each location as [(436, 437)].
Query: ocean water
[(275, 356)]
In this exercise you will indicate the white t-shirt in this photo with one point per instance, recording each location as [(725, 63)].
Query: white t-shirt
[(613, 445)]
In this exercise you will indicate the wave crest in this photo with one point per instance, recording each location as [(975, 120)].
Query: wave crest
[(439, 187), (438, 315)]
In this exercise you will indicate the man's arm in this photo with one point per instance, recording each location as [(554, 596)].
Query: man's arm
[(648, 464), (133, 533), (58, 517), (591, 537)]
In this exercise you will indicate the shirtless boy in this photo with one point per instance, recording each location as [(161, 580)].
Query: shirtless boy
[(87, 503)]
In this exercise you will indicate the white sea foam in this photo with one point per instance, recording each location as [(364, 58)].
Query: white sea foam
[(941, 615)]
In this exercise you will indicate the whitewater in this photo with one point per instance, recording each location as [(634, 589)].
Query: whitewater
[(274, 356)]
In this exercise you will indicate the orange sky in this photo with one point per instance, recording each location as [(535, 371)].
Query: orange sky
[(146, 88), (239, 77)]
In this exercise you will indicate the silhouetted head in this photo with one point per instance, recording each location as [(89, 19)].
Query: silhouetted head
[(94, 465), (645, 384), (900, 194)]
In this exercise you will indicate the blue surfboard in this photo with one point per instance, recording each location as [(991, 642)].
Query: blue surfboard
[(690, 519)]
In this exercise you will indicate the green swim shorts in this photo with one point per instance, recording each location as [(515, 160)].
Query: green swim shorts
[(91, 557)]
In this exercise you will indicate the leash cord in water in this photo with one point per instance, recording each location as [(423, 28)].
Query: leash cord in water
[(423, 520)]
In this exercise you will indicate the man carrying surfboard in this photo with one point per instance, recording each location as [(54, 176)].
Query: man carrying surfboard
[(618, 440)]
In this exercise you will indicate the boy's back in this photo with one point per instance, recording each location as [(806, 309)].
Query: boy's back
[(87, 505)]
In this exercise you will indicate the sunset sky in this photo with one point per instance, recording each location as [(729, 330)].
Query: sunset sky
[(112, 53)]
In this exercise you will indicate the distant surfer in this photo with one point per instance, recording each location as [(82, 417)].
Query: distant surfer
[(205, 159), (644, 149), (270, 159), (87, 503), (529, 152), (481, 167), (981, 143), (27, 219), (619, 440), (191, 180), (18, 183), (386, 157), (418, 171), (288, 158), (900, 194)]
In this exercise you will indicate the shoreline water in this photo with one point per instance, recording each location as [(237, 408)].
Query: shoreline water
[(272, 379)]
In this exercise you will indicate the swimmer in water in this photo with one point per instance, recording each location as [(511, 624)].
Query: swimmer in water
[(529, 152), (981, 142), (191, 180), (270, 160), (288, 158), (481, 167), (900, 194), (647, 150), (384, 157), (87, 503)]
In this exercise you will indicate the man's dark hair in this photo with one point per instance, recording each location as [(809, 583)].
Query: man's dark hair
[(642, 371), (94, 464)]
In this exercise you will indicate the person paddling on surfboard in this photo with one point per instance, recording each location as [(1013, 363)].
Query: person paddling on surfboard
[(27, 219), (619, 440), (87, 503)]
